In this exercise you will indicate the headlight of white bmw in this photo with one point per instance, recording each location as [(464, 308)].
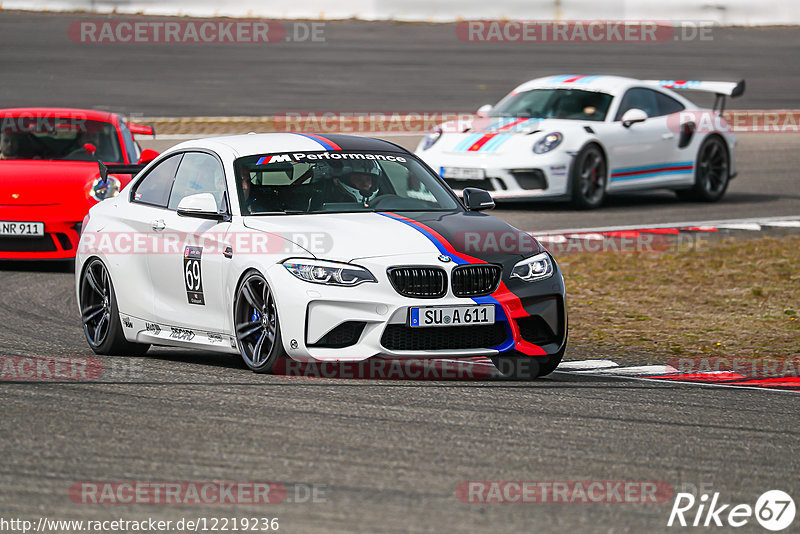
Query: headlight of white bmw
[(535, 268), (101, 190), (328, 272), (548, 143)]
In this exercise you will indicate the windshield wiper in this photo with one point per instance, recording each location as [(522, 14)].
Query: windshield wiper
[(284, 212)]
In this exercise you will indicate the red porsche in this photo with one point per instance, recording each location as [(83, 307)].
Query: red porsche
[(50, 177)]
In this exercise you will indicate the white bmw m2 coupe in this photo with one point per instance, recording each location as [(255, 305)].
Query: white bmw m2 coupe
[(315, 248)]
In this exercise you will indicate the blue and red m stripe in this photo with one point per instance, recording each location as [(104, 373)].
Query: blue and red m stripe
[(326, 143), (507, 304)]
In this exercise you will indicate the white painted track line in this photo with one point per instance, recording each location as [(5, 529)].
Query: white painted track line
[(783, 224), (753, 227), (639, 370), (586, 365)]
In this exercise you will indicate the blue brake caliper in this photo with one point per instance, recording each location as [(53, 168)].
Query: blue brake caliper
[(256, 316)]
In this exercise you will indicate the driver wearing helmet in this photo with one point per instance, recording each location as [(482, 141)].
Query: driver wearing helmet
[(360, 184), (8, 146)]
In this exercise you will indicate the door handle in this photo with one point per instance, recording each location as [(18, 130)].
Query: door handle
[(159, 225), (668, 136)]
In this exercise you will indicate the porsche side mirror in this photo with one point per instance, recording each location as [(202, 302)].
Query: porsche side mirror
[(477, 199), (484, 110), (147, 156), (201, 206), (632, 116)]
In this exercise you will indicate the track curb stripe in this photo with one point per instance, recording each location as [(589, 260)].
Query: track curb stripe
[(608, 369)]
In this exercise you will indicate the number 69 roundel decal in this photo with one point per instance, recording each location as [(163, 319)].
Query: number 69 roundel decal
[(192, 275)]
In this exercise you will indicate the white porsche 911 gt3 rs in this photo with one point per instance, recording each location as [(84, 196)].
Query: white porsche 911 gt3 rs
[(579, 137), (315, 248)]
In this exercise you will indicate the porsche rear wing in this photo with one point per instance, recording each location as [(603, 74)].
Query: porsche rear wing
[(722, 90), (113, 168), (141, 129)]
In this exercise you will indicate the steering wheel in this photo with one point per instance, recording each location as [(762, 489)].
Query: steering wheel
[(82, 151)]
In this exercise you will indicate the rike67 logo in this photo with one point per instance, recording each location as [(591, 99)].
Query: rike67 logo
[(774, 510)]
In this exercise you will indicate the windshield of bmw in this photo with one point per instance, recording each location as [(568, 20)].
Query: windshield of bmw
[(572, 104), (326, 182), (58, 138)]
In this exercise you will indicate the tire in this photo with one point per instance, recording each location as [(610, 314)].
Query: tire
[(712, 172), (255, 316), (517, 366), (588, 178), (100, 314)]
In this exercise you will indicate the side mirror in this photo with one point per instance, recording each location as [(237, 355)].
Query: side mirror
[(484, 110), (147, 156), (141, 129), (632, 116), (201, 206), (477, 199)]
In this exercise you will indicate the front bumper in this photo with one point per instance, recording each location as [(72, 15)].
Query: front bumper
[(539, 176), (60, 240), (316, 320)]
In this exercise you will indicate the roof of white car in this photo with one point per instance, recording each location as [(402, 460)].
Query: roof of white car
[(252, 144), (602, 83)]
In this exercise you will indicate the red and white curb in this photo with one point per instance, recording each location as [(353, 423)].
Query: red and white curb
[(667, 373), (560, 237)]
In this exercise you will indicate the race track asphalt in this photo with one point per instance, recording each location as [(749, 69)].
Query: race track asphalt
[(389, 453)]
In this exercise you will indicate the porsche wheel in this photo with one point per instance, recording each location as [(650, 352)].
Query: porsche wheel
[(100, 314), (588, 176), (712, 172), (257, 328)]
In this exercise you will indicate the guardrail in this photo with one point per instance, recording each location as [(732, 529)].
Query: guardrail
[(724, 12)]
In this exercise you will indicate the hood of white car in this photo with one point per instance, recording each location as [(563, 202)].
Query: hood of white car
[(345, 236)]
